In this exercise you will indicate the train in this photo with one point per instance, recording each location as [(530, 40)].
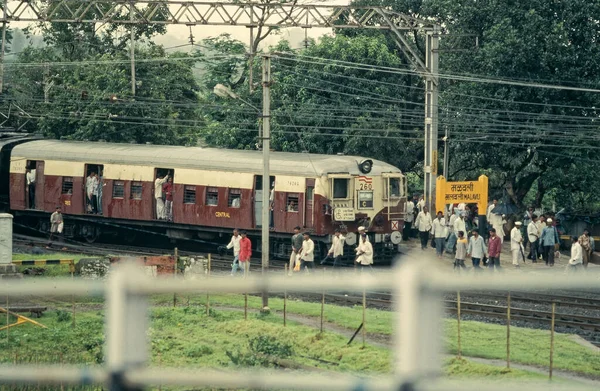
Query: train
[(214, 191)]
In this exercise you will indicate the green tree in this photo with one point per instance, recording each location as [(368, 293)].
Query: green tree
[(523, 137), (91, 100)]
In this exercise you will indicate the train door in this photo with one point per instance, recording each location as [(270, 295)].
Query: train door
[(258, 204), (92, 192), (309, 214), (39, 185)]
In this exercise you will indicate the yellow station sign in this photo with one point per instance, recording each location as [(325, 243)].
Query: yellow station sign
[(457, 192)]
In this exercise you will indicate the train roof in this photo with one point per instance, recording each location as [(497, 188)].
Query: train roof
[(162, 156)]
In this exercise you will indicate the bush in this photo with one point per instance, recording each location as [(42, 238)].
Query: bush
[(198, 351), (262, 351), (63, 316)]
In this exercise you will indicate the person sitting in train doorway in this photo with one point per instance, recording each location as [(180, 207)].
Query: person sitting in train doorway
[(30, 176), (245, 252), (101, 185), (91, 192), (297, 240), (168, 192), (158, 196), (336, 251), (56, 225), (235, 244), (272, 207), (307, 257), (364, 252)]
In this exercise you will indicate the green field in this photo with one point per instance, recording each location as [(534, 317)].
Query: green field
[(186, 336)]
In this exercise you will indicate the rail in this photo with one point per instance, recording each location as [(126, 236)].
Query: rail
[(417, 288)]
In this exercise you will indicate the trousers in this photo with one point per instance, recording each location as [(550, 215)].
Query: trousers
[(517, 255), (439, 245), (32, 196), (494, 262), (160, 208), (293, 257), (169, 210), (424, 239), (307, 265)]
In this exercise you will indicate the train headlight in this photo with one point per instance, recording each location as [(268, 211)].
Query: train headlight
[(365, 166)]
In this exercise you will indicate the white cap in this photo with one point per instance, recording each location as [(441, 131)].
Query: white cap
[(549, 220), (361, 228), (518, 223)]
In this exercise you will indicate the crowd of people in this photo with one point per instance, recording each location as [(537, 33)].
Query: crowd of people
[(302, 255), (456, 231)]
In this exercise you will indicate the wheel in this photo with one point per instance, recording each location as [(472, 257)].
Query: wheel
[(90, 233)]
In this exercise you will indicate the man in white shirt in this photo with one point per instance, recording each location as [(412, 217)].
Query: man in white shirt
[(364, 252), (439, 233), (30, 176), (235, 244), (576, 254), (533, 236), (158, 195), (452, 234), (516, 244), (424, 224), (476, 250), (307, 257), (91, 190), (488, 215), (337, 248)]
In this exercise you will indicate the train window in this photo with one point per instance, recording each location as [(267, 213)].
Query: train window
[(235, 197), (118, 189), (365, 200), (292, 202), (189, 194), (393, 187), (340, 188), (212, 196), (67, 185), (136, 190)]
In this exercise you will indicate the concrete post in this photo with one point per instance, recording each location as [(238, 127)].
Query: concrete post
[(6, 236)]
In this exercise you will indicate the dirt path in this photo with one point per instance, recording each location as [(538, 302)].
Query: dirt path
[(384, 341)]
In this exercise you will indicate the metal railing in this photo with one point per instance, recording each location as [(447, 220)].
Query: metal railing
[(417, 287)]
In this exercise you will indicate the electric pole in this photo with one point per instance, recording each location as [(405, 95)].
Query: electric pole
[(266, 182), (431, 116), (3, 46), (132, 50)]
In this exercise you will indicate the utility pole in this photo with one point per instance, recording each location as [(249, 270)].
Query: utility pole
[(251, 60), (3, 48), (191, 38), (132, 48), (446, 157), (266, 182), (431, 116)]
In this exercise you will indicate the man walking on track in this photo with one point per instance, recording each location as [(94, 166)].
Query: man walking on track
[(549, 241), (56, 225), (307, 259), (586, 247), (533, 236), (235, 244), (296, 248), (337, 248), (245, 253)]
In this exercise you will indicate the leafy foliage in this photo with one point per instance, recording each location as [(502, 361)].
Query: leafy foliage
[(262, 351)]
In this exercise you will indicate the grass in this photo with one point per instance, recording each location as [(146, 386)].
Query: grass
[(187, 337), (528, 346)]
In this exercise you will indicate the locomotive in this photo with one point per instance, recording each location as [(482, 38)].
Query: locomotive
[(214, 191)]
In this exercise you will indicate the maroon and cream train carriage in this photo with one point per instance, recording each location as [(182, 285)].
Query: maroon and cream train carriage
[(215, 190)]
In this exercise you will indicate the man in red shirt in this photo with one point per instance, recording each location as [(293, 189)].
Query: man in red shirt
[(168, 192), (494, 248), (245, 252)]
